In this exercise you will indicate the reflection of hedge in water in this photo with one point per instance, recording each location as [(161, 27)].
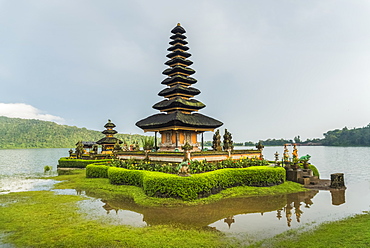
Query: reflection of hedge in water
[(196, 186), (203, 215)]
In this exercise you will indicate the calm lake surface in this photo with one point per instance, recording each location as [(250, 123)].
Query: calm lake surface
[(249, 219)]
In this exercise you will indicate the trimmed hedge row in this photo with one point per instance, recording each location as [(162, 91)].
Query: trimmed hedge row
[(196, 186), (97, 170), (78, 163)]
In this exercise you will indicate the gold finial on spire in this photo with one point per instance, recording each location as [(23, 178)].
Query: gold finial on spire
[(178, 24)]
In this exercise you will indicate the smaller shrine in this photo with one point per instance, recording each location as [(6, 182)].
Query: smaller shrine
[(107, 143)]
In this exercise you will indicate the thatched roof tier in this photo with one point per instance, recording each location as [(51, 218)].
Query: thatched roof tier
[(178, 69), (177, 40), (179, 120), (178, 53), (178, 29), (178, 36), (178, 46), (109, 124), (178, 60), (179, 78), (109, 141), (109, 131), (180, 103), (179, 90)]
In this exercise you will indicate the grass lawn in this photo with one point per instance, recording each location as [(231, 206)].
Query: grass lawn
[(44, 219), (350, 232)]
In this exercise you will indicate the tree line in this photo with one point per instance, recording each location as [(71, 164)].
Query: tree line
[(26, 133)]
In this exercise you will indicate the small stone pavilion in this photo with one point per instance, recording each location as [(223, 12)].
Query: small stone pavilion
[(179, 121)]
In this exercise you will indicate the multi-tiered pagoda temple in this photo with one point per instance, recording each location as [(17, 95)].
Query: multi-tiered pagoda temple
[(179, 123), (109, 140)]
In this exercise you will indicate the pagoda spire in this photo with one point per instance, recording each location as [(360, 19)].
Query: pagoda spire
[(179, 121), (179, 93)]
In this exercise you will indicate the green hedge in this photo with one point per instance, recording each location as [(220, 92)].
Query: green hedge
[(78, 163), (315, 171), (97, 170), (199, 185)]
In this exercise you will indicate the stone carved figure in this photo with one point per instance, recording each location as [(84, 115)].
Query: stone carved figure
[(187, 148), (228, 141), (216, 144), (260, 146), (95, 148), (79, 149), (117, 147), (276, 157), (295, 152), (286, 154)]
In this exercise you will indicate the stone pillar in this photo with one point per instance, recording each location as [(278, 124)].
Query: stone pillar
[(337, 180)]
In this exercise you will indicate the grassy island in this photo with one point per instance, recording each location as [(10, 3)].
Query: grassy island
[(45, 219)]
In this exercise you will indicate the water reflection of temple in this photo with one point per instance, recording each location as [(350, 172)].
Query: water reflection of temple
[(288, 207), (108, 207), (293, 206)]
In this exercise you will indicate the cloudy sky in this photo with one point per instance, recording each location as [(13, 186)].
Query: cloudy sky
[(266, 68)]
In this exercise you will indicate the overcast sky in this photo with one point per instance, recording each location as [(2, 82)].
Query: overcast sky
[(266, 69)]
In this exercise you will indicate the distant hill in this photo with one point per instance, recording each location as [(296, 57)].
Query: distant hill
[(26, 133), (348, 137)]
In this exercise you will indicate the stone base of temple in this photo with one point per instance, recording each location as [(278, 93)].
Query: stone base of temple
[(173, 147), (177, 157)]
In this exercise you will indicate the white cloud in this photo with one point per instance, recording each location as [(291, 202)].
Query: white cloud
[(25, 111)]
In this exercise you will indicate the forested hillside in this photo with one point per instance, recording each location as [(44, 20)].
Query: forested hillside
[(25, 133), (348, 137)]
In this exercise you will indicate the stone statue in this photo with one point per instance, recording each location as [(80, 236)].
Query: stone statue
[(216, 144)]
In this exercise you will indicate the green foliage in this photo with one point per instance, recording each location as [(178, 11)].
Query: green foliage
[(97, 170), (78, 163), (47, 168), (101, 188), (315, 171), (194, 166), (148, 142), (350, 232), (200, 185), (25, 133), (122, 176), (348, 137), (45, 219), (131, 164)]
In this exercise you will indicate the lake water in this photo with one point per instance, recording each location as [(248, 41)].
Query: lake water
[(249, 219)]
